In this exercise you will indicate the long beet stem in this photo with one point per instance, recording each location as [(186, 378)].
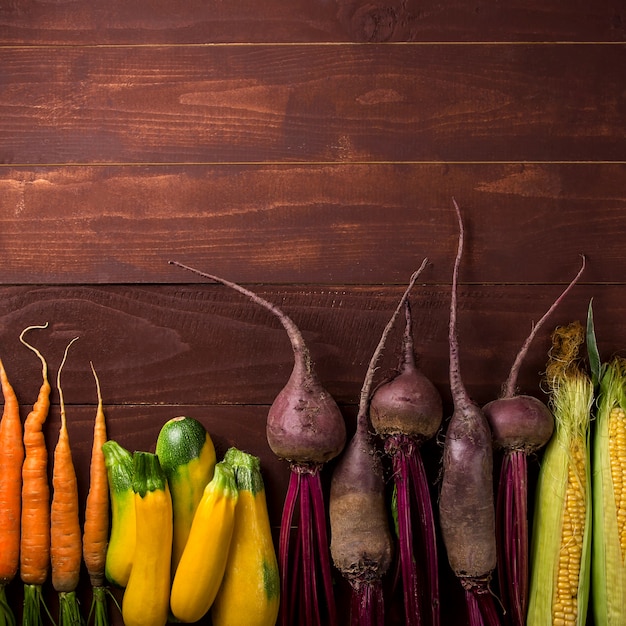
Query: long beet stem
[(319, 519), (502, 533), (296, 581), (473, 609), (410, 588), (512, 509), (510, 385), (291, 497), (481, 607), (419, 482), (367, 604), (310, 606), (487, 606)]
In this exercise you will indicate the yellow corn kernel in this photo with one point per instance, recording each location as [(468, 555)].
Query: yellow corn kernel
[(617, 460), (561, 538), (609, 497)]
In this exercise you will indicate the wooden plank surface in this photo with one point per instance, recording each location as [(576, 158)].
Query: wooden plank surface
[(206, 345), (29, 22), (348, 103), (333, 224), (266, 143)]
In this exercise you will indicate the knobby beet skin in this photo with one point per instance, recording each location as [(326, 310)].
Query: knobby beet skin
[(466, 499)]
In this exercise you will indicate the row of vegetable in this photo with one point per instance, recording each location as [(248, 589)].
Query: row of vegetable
[(186, 535), (178, 531)]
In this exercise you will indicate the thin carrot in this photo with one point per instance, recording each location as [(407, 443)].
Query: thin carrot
[(35, 520), (96, 527), (65, 531), (11, 460)]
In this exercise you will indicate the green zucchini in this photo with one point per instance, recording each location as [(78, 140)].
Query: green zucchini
[(121, 548), (187, 456)]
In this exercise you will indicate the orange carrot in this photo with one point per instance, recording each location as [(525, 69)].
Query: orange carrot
[(96, 527), (65, 532), (35, 520), (11, 461)]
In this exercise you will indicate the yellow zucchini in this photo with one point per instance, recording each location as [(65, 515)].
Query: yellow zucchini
[(187, 456), (119, 557), (202, 564), (250, 591), (146, 597)]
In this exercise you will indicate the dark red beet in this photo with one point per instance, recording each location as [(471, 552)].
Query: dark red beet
[(406, 411), (304, 424), (409, 403), (520, 425), (466, 504), (306, 428), (361, 543)]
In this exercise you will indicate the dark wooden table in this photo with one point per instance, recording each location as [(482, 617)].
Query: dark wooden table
[(310, 150)]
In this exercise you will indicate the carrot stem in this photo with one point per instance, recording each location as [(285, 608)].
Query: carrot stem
[(7, 617), (69, 609), (99, 610), (33, 605)]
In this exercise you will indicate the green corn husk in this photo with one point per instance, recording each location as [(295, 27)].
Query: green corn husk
[(609, 563), (566, 460)]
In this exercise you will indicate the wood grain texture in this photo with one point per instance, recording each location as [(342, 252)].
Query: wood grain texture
[(29, 22), (332, 224), (206, 345), (312, 103), (309, 149)]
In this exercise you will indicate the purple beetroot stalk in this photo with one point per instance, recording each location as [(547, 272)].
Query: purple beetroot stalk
[(361, 544), (466, 503), (306, 428), (520, 425), (406, 411)]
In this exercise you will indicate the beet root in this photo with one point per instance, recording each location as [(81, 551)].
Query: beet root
[(408, 404), (304, 423), (466, 498), (361, 545), (406, 411), (306, 428), (519, 423), (361, 542), (466, 502)]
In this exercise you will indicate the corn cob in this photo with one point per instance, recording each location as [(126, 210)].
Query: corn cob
[(561, 541), (609, 498)]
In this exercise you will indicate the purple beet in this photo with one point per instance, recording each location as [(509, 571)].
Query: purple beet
[(466, 504), (520, 425), (361, 543), (306, 428), (407, 411)]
